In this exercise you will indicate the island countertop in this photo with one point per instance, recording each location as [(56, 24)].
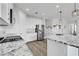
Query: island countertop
[(65, 39)]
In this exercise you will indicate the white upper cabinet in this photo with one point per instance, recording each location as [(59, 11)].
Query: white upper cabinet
[(6, 12), (0, 9)]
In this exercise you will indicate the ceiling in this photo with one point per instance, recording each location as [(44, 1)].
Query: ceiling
[(47, 10)]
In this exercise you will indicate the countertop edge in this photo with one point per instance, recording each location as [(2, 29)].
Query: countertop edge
[(63, 43)]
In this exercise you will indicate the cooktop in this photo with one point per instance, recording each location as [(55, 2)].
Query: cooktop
[(10, 39)]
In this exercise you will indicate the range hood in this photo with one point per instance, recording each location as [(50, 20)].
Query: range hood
[(3, 22)]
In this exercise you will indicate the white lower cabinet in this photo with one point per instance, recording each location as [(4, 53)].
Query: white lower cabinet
[(56, 48), (72, 51), (59, 49)]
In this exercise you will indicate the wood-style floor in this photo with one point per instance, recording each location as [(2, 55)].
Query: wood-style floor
[(38, 48)]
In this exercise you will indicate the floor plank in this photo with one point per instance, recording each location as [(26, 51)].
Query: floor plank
[(38, 48)]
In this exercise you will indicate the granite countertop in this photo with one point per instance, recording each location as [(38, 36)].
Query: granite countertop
[(65, 39), (15, 48)]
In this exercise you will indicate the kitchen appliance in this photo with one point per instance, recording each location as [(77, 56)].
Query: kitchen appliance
[(40, 32), (37, 31), (10, 39)]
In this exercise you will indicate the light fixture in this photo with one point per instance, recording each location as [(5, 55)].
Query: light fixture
[(57, 6), (73, 28), (27, 9), (75, 12), (60, 19)]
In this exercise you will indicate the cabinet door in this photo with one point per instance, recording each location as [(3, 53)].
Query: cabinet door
[(72, 51), (56, 48), (5, 11), (0, 49), (10, 12), (0, 9)]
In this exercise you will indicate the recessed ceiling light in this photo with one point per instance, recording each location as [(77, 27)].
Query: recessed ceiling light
[(57, 6), (75, 13), (27, 9)]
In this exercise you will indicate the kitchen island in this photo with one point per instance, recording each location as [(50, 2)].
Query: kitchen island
[(60, 45)]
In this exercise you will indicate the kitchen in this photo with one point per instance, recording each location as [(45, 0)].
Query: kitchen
[(39, 29)]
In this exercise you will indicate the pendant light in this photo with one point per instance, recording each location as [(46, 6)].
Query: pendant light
[(60, 20), (60, 16), (75, 12)]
